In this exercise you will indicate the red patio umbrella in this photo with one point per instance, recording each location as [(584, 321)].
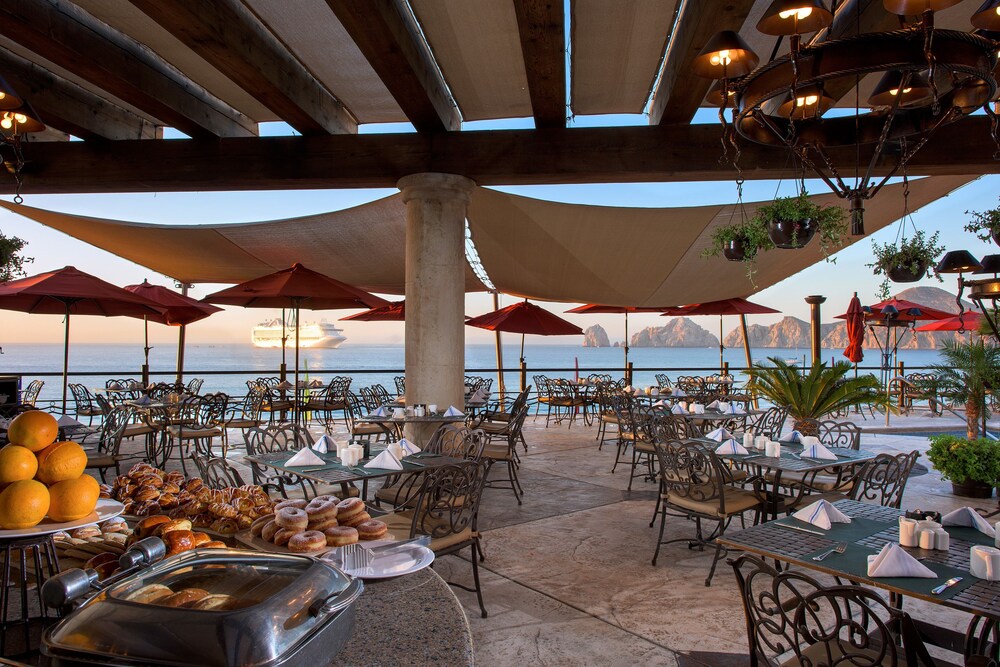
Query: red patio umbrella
[(855, 317), (596, 308), (733, 306), (967, 321), (394, 311), (525, 318), (177, 310), (296, 287), (69, 291)]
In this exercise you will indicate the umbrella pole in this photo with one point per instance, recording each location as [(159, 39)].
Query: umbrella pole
[(295, 389), (65, 377), (722, 347), (628, 377), (145, 351), (181, 339), (284, 338), (499, 343), (524, 374)]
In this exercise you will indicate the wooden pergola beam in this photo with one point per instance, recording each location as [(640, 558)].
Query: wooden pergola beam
[(681, 91), (498, 157), (390, 41), (234, 41), (71, 38), (70, 108), (541, 25)]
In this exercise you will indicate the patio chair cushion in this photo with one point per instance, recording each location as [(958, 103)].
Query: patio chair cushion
[(194, 431), (103, 460), (367, 429), (737, 502), (89, 412), (241, 422), (819, 482), (134, 430), (494, 428), (497, 452), (399, 524), (821, 653)]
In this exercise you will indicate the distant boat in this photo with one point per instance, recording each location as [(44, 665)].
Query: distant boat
[(321, 334)]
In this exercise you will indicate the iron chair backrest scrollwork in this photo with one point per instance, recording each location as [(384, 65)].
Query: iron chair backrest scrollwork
[(30, 394), (217, 472), (882, 480), (194, 386), (449, 499), (837, 434), (691, 385), (459, 442), (691, 474), (400, 382), (663, 380), (770, 423)]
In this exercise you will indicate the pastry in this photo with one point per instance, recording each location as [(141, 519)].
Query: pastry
[(223, 510), (283, 535), (146, 492), (291, 517), (338, 536), (151, 479), (321, 510), (349, 508), (268, 530), (217, 602), (146, 527), (85, 532), (322, 525), (203, 520), (372, 529), (213, 544), (310, 540), (244, 521), (167, 501), (225, 526), (184, 598), (115, 525), (173, 524), (149, 594), (193, 485), (353, 521), (148, 508), (178, 541), (297, 503)]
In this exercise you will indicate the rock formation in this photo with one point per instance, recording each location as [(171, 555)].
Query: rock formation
[(595, 336), (678, 332)]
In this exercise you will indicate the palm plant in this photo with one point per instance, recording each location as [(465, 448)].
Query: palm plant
[(967, 371), (823, 390)]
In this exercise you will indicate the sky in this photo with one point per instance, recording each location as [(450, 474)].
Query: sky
[(51, 250)]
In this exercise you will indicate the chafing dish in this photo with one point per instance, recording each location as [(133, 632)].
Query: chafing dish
[(281, 609)]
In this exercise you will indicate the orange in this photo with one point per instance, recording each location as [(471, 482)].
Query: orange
[(23, 504), (73, 499), (60, 461), (33, 429), (17, 463)]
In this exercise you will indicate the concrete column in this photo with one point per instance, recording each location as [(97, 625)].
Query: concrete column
[(815, 331), (435, 290)]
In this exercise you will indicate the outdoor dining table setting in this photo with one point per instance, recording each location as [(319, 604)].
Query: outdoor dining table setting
[(948, 560)]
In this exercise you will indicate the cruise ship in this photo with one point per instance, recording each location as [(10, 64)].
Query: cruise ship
[(311, 334)]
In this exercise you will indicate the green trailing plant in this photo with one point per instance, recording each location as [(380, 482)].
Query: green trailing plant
[(962, 460), (967, 370), (753, 236), (984, 224), (830, 220), (823, 390), (915, 254), (11, 260)]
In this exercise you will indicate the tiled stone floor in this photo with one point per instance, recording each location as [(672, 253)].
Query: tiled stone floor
[(568, 580)]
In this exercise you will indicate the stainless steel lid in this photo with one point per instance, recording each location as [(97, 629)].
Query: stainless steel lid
[(254, 608)]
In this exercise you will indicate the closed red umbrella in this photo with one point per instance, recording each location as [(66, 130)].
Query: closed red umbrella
[(296, 287), (733, 306), (177, 310), (855, 330), (69, 291)]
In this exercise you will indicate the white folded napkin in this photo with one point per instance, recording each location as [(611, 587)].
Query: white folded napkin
[(735, 409), (661, 404), (283, 385), (480, 395), (809, 440), (678, 409), (822, 515), (719, 435), (452, 411), (385, 461), (66, 420), (380, 412), (714, 405), (731, 447), (698, 409), (305, 457), (677, 392), (408, 447), (966, 516), (654, 391), (638, 392), (892, 561), (143, 400), (794, 436), (316, 383), (818, 451), (324, 444)]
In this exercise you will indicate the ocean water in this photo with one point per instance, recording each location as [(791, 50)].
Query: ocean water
[(92, 364)]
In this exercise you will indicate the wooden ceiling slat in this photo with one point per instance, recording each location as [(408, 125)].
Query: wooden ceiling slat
[(234, 41), (541, 25), (581, 155), (69, 37), (681, 91), (392, 44), (71, 108)]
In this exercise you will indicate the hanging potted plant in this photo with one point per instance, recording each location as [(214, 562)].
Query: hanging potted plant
[(985, 224), (791, 222), (740, 242), (907, 262)]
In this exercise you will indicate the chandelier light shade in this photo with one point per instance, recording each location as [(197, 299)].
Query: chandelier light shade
[(916, 91), (725, 56), (958, 261), (917, 7), (809, 102), (990, 264), (20, 120), (988, 16), (794, 17), (8, 98)]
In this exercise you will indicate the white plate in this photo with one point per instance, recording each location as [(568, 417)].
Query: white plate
[(106, 509), (410, 558)]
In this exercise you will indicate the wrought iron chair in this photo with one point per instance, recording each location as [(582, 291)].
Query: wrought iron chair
[(275, 402), (358, 429), (400, 382), (196, 424), (792, 619), (605, 412), (194, 386), (126, 389), (447, 509), (837, 434), (108, 452), (278, 438), (505, 451), (245, 415), (495, 420), (663, 380), (326, 401), (31, 392), (881, 481), (770, 423), (542, 389), (563, 402), (696, 486), (692, 385), (217, 472), (459, 442), (85, 405)]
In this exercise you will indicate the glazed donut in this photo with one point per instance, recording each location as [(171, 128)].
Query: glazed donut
[(173, 524), (355, 520), (223, 510), (372, 529), (321, 510), (146, 527), (146, 492), (322, 525), (338, 536), (283, 535), (167, 501), (268, 530), (258, 525), (291, 517), (85, 532), (296, 503), (311, 540), (225, 526), (331, 498), (348, 508)]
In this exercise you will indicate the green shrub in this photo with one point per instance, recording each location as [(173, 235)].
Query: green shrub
[(959, 459)]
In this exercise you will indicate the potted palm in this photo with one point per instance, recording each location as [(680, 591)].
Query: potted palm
[(985, 224), (791, 222), (971, 465), (967, 370), (907, 262), (821, 391)]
